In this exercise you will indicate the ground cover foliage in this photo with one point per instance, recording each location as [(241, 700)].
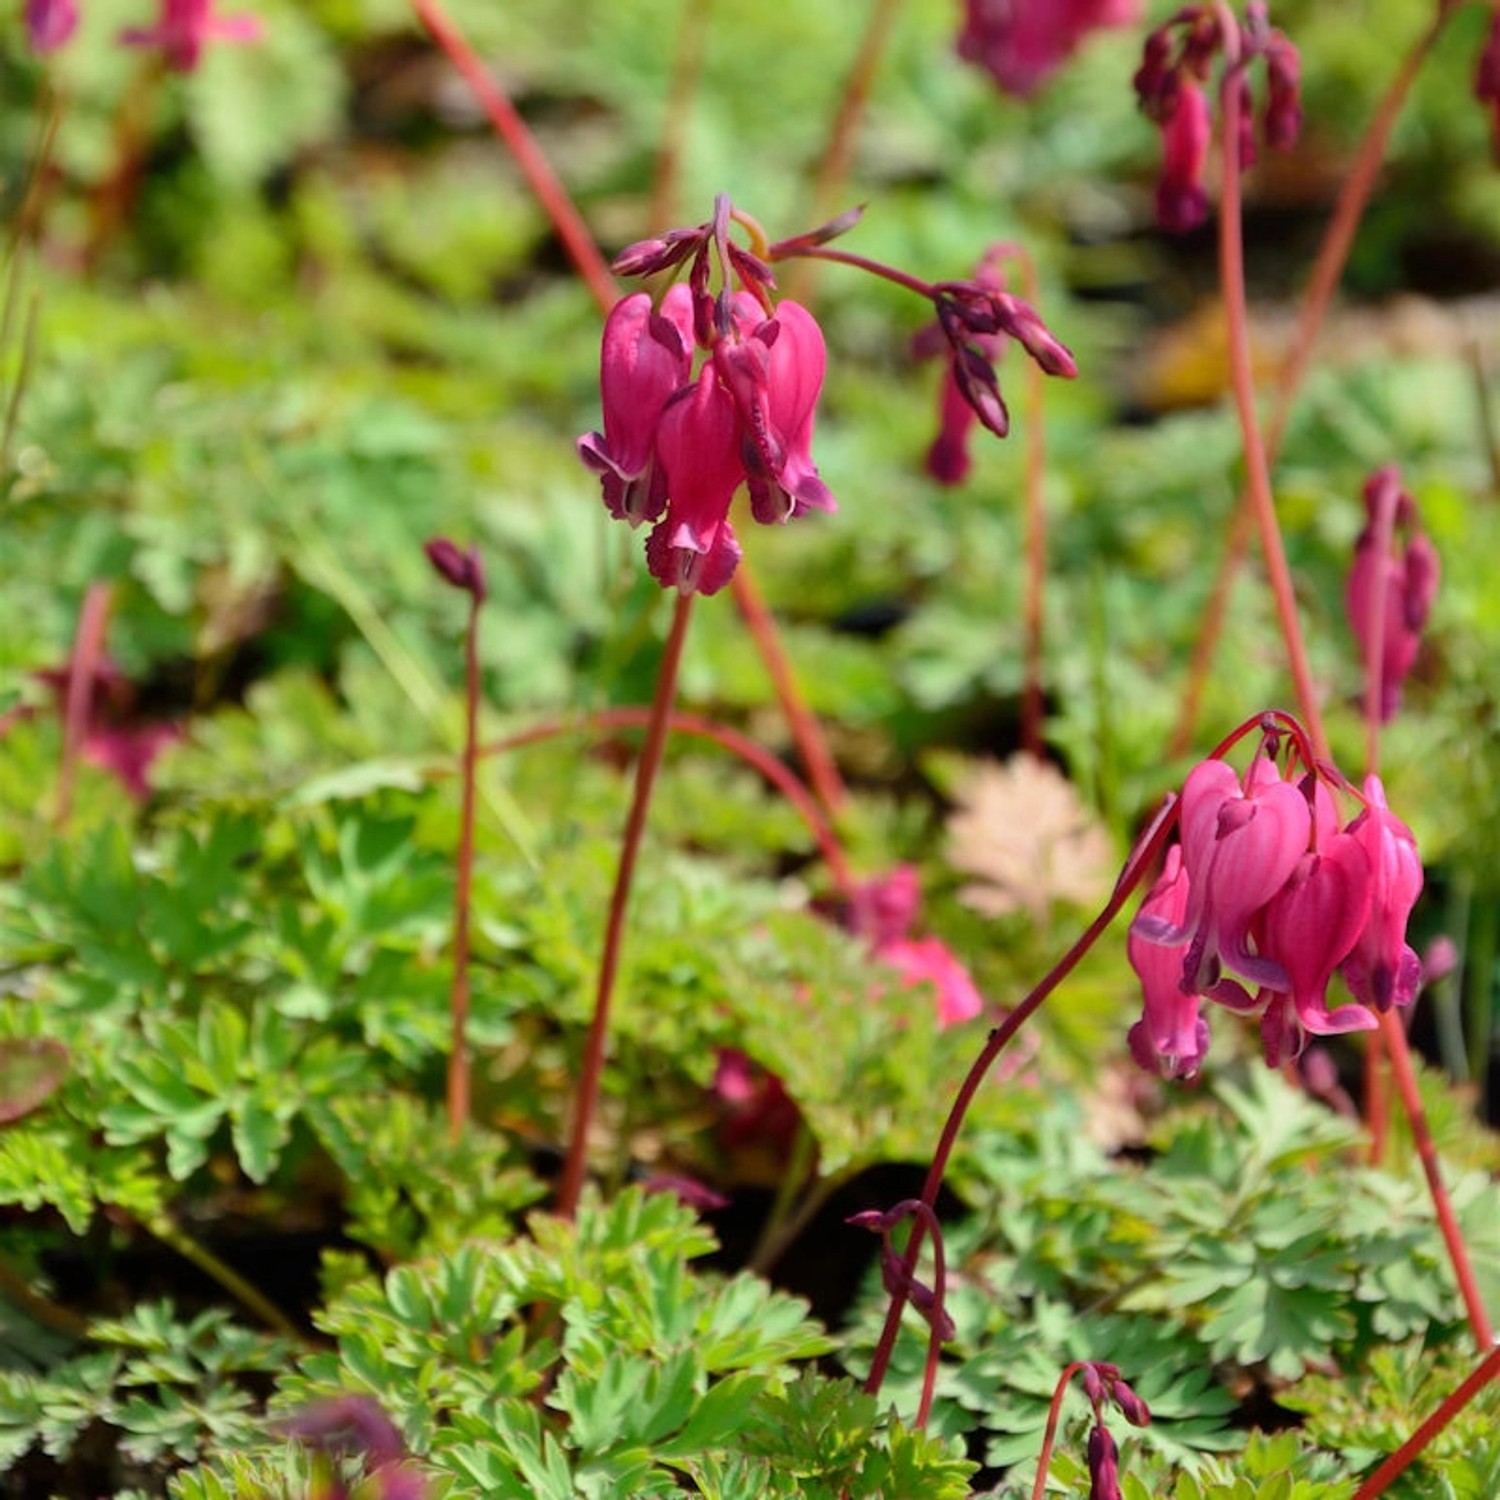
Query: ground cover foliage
[(319, 321)]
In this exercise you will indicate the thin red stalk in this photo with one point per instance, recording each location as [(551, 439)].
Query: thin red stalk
[(838, 155), (83, 674), (1036, 527), (1380, 1481), (458, 1055), (576, 239), (859, 262), (1458, 1252), (649, 764), (1328, 270), (1377, 1098), (924, 1215), (998, 1039), (1049, 1437), (822, 772), (780, 776), (687, 72), (1232, 277)]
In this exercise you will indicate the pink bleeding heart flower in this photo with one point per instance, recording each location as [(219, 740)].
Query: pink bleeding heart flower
[(931, 961), (1171, 1038), (1310, 925), (882, 909), (50, 24), (775, 374), (1021, 43), (693, 548), (185, 29), (1383, 970), (646, 359), (1238, 849)]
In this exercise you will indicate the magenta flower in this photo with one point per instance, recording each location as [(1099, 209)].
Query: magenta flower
[(1383, 970), (1023, 42), (1238, 849), (1104, 1465), (50, 23), (185, 29), (675, 449), (1171, 1038), (931, 961), (1186, 131), (1391, 595), (1310, 925), (646, 359)]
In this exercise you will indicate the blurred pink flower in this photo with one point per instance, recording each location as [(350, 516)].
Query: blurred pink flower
[(1023, 42), (931, 961), (50, 23), (186, 27)]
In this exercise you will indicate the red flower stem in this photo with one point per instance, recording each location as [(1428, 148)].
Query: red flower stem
[(545, 187), (1049, 1437), (1232, 278), (83, 674), (1481, 1375), (759, 759), (822, 772), (687, 73), (924, 1215), (458, 1054), (1458, 1253), (796, 250), (1328, 270), (1377, 1100), (645, 779), (1032, 702), (998, 1039), (838, 155)]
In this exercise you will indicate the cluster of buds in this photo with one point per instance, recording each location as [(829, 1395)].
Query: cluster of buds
[(677, 446), (1391, 586), (1171, 84), (1021, 43), (1266, 885), (355, 1426), (894, 1275), (1104, 1387), (975, 320), (1487, 80)]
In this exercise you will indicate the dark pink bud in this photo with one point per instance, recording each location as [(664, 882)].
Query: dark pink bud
[(1440, 959), (354, 1424), (687, 1190), (1093, 1386), (1283, 120), (464, 570), (974, 377), (1187, 129), (1021, 45), (50, 23), (1024, 324), (948, 459), (1132, 1408), (1104, 1465), (1153, 79), (883, 909), (649, 257)]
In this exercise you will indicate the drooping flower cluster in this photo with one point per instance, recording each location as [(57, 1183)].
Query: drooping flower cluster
[(50, 24), (677, 446), (1023, 42), (186, 27), (1172, 86), (1266, 885), (1104, 1387), (1391, 588), (679, 441)]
